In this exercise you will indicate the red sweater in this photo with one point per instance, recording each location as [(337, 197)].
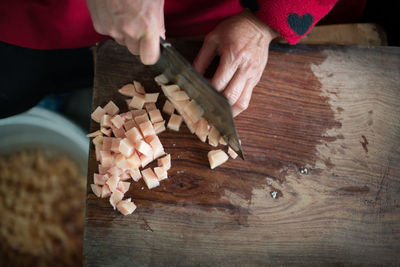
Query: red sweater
[(57, 24)]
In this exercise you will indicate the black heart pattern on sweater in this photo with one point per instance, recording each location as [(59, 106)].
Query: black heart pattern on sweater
[(300, 25)]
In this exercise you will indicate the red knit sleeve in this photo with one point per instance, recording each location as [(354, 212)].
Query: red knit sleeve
[(293, 18)]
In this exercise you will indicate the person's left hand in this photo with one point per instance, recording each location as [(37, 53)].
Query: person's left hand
[(242, 42)]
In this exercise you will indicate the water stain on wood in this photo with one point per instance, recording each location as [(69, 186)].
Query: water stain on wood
[(364, 143), (355, 189)]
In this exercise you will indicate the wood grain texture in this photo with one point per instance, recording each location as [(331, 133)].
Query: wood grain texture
[(322, 131)]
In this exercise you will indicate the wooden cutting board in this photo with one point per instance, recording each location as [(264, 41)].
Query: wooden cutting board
[(320, 183)]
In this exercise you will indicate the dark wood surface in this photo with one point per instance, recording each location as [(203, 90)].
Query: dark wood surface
[(322, 130)]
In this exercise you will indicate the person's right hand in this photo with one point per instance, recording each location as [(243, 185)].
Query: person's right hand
[(138, 24)]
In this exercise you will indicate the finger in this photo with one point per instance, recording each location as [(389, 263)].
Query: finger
[(235, 86), (244, 99), (133, 46), (206, 54), (150, 48), (120, 41), (225, 71)]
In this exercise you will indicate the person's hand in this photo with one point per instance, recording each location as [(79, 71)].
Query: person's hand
[(138, 24), (242, 42)]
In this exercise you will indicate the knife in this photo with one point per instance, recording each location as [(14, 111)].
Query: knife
[(217, 109)]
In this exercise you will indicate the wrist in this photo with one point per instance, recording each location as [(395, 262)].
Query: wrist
[(266, 30)]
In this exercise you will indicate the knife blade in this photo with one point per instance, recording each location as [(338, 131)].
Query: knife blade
[(217, 109)]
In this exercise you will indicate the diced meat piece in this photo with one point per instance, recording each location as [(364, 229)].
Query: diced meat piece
[(128, 101), (128, 90), (115, 171), (159, 127), (141, 118), (139, 87), (126, 147), (129, 124), (169, 89), (106, 131), (189, 123), (121, 162), (107, 143), (106, 159), (100, 179), (137, 102), (222, 141), (119, 133), (111, 108), (98, 140), (116, 197), (147, 128), (144, 148), (158, 149), (138, 112), (97, 150), (98, 114), (194, 111), (106, 121), (161, 173), (165, 162), (151, 98), (180, 105), (202, 129), (134, 161), (168, 108), (112, 183), (96, 189), (216, 158), (145, 160), (134, 135), (150, 106), (155, 116), (94, 134), (213, 137), (150, 178), (126, 207), (126, 116), (115, 145), (232, 153), (125, 175), (105, 191), (161, 79), (135, 174), (179, 96), (117, 121), (174, 122), (102, 169), (123, 186)]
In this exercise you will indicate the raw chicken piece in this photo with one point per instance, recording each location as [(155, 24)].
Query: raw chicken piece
[(96, 189), (107, 143), (158, 149), (121, 162), (189, 123), (112, 183), (115, 145), (180, 105), (138, 112), (169, 89), (161, 173), (119, 133), (129, 124), (141, 118), (128, 90), (106, 131), (222, 141), (174, 122), (100, 179), (216, 158), (97, 150), (213, 136), (135, 174), (111, 108), (194, 111), (106, 159), (165, 162), (161, 79), (98, 114), (150, 178), (150, 106), (106, 121), (139, 87), (94, 134), (117, 121), (155, 116), (98, 140), (151, 98), (126, 207), (126, 116), (202, 129), (232, 153), (137, 102), (144, 148), (134, 135), (123, 186), (147, 128), (159, 127), (105, 191), (103, 170), (145, 160), (126, 147), (168, 108), (179, 96), (116, 197), (134, 161), (124, 176), (115, 171)]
